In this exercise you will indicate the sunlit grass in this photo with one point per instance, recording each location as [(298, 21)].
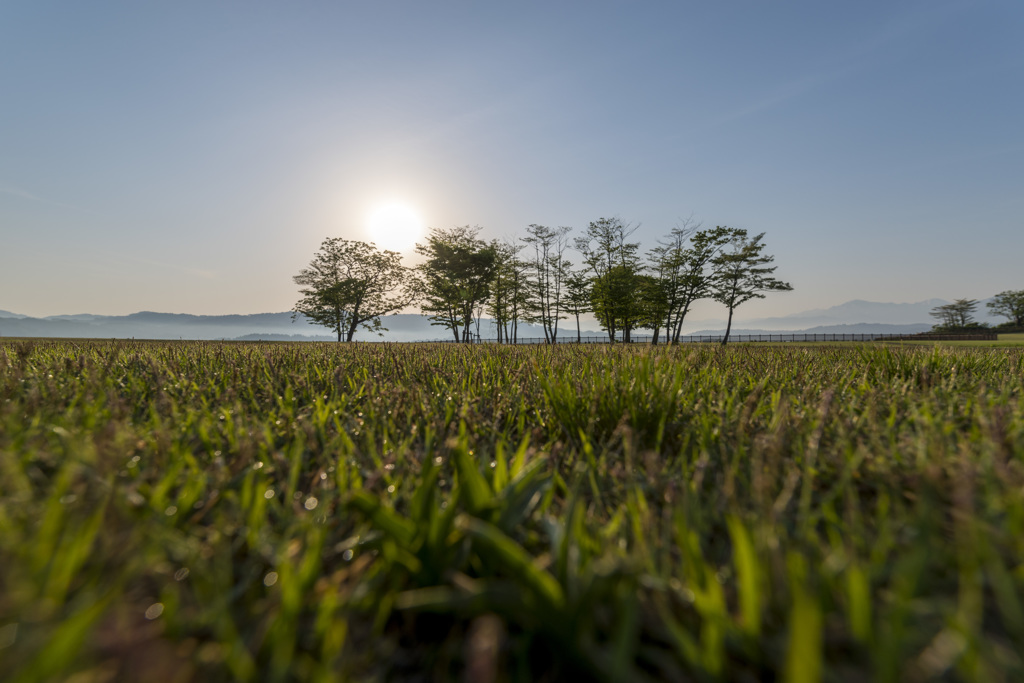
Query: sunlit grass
[(208, 511)]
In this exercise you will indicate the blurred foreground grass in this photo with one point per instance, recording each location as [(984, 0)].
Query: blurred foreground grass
[(207, 511)]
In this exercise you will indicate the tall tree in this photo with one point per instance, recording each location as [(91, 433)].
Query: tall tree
[(945, 314), (606, 247), (684, 262), (1009, 304), (742, 273), (349, 284), (548, 269), (499, 306), (956, 315), (577, 298), (618, 301), (654, 305), (509, 292), (455, 277)]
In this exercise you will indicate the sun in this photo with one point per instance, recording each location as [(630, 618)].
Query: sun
[(395, 226)]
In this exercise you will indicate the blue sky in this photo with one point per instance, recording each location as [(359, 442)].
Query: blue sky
[(191, 156)]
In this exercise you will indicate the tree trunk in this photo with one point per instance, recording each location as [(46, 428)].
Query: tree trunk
[(579, 338), (728, 327)]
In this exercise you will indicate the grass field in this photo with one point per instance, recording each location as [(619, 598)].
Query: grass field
[(1004, 340), (208, 511)]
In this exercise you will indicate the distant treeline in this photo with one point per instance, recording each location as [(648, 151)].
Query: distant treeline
[(959, 315)]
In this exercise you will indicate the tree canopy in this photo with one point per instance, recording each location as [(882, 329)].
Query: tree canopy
[(1009, 304), (456, 277), (742, 273), (351, 284)]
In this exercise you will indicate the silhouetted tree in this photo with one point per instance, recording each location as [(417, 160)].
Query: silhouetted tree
[(1010, 305), (547, 268), (456, 277), (742, 273), (349, 284), (684, 263), (577, 297), (956, 315)]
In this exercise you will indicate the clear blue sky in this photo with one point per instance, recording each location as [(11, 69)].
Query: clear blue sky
[(190, 156)]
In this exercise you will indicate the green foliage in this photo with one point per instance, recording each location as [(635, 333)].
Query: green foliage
[(455, 277), (685, 267), (1009, 304), (742, 272), (218, 511), (548, 270), (612, 263), (350, 284), (956, 317)]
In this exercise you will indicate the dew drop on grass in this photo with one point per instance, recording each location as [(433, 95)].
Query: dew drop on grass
[(171, 511), (438, 460), (257, 465), (311, 503), (391, 489), (181, 574), (389, 466), (347, 555), (269, 494), (154, 610), (270, 579)]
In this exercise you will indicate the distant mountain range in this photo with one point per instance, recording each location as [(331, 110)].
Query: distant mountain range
[(857, 317)]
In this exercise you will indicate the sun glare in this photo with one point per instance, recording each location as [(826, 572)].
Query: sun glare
[(394, 226)]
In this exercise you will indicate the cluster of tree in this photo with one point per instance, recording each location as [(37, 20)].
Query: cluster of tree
[(959, 315), (531, 280)]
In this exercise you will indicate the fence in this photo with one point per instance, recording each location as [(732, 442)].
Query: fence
[(782, 337)]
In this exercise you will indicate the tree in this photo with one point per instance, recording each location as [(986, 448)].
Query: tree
[(499, 306), (957, 315), (547, 269), (618, 301), (945, 315), (605, 248), (742, 273), (349, 284), (1009, 304), (577, 297), (456, 277), (684, 265), (652, 292), (509, 295)]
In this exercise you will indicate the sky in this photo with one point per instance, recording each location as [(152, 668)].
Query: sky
[(190, 157)]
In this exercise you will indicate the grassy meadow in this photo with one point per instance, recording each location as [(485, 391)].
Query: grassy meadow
[(178, 511)]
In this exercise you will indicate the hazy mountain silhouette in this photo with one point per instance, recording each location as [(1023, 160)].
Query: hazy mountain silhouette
[(852, 317)]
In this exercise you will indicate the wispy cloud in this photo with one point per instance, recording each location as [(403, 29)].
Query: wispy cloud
[(18, 192), (25, 194)]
